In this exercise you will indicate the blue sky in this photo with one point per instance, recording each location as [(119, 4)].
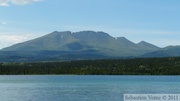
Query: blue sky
[(154, 21)]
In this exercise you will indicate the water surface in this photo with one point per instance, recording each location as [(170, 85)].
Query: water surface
[(83, 88)]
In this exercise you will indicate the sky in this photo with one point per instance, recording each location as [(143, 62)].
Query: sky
[(154, 21)]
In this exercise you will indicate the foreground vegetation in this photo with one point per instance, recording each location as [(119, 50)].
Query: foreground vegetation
[(137, 66)]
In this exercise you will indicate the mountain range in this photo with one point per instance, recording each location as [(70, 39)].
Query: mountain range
[(82, 45)]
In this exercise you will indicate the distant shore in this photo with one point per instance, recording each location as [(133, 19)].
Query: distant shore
[(136, 66)]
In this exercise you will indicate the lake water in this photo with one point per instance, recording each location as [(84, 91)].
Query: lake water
[(83, 88)]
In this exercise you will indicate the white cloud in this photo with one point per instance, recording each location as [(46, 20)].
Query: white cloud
[(23, 2), (3, 23), (17, 2), (4, 3), (8, 40)]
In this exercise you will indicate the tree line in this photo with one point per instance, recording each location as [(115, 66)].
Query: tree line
[(133, 66)]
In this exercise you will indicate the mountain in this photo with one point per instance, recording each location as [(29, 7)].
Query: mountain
[(125, 41), (170, 51), (147, 46), (76, 45), (53, 41)]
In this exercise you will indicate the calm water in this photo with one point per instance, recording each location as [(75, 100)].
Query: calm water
[(83, 88)]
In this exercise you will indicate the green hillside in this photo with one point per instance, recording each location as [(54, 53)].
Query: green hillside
[(77, 43)]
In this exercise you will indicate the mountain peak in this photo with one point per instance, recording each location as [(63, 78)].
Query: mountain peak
[(57, 32), (102, 33), (125, 41), (147, 45), (122, 38), (92, 36), (143, 42)]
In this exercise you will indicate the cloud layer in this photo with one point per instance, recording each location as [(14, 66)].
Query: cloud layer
[(3, 23), (17, 2), (8, 40)]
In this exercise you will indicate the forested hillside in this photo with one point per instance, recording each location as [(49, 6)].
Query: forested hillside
[(136, 66)]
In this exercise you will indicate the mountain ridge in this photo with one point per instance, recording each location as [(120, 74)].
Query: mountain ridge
[(83, 40), (81, 45)]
